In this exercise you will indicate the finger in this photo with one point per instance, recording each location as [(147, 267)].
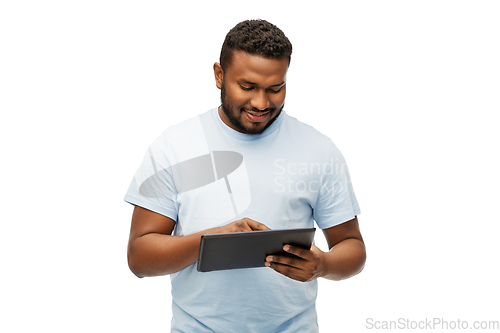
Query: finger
[(298, 251), (286, 260), (289, 271), (254, 225)]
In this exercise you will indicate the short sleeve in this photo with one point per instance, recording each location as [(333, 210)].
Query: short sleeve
[(153, 187), (336, 202)]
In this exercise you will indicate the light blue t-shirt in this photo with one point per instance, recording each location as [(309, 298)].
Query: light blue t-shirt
[(203, 174)]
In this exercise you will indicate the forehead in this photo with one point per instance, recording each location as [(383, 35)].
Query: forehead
[(253, 68)]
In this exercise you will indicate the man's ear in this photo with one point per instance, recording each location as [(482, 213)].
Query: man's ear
[(219, 75)]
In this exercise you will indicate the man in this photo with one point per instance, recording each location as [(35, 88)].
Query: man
[(244, 166)]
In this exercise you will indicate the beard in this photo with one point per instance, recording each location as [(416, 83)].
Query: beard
[(236, 121)]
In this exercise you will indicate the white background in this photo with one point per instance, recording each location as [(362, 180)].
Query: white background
[(408, 90)]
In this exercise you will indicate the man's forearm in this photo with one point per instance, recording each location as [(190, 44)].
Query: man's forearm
[(344, 260), (158, 254), (155, 253)]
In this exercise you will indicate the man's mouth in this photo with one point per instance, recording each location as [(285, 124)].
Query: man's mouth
[(256, 117)]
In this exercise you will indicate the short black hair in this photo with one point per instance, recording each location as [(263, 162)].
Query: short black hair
[(256, 37)]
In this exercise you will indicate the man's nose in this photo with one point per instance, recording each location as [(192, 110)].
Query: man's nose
[(260, 100)]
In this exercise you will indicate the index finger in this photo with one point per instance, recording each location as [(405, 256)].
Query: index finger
[(257, 225)]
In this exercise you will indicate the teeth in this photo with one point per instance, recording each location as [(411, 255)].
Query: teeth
[(257, 114)]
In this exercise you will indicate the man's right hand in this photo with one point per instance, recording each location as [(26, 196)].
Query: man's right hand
[(245, 224)]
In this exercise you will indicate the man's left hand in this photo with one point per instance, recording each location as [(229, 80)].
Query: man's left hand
[(307, 267)]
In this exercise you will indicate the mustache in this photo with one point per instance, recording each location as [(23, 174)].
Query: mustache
[(255, 110)]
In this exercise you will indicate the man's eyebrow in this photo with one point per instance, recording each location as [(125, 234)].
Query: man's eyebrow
[(278, 85), (255, 84)]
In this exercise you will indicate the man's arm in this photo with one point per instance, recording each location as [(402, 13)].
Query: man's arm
[(346, 257), (153, 250), (347, 254)]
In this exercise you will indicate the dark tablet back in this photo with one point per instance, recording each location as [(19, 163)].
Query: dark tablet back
[(248, 249)]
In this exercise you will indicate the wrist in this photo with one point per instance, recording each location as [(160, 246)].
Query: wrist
[(321, 262)]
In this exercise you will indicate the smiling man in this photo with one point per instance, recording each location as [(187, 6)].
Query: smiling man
[(252, 92), (224, 171)]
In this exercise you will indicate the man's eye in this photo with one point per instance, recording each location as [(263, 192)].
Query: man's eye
[(275, 91), (246, 88)]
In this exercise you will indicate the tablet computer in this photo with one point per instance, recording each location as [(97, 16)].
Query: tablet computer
[(248, 249)]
